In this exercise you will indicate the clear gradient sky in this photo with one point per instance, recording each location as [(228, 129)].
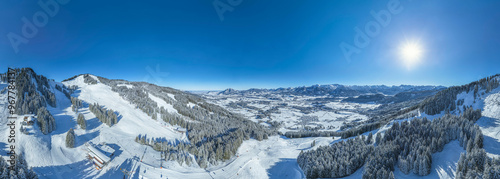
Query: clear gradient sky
[(259, 44)]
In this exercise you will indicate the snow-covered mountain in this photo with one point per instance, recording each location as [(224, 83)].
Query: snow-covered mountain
[(166, 132), (141, 130)]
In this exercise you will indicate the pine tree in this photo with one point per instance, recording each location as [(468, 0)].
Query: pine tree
[(403, 165), (470, 145), (5, 173), (21, 173), (425, 166), (70, 139), (391, 175), (369, 138), (81, 121), (478, 140)]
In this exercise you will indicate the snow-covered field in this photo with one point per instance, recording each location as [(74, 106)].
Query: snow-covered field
[(288, 110)]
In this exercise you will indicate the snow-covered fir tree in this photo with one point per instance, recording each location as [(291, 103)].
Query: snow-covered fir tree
[(70, 138)]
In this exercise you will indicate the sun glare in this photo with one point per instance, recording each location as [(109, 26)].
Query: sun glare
[(411, 53)]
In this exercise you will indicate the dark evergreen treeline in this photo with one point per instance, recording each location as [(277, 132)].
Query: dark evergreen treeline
[(89, 80), (224, 148), (29, 87), (172, 118), (220, 148), (76, 104), (33, 95), (445, 100), (475, 164), (20, 170), (72, 78), (45, 121), (408, 145), (210, 150), (338, 160), (300, 134), (108, 117), (361, 129), (175, 151), (383, 114)]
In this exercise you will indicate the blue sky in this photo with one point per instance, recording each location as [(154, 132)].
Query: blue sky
[(259, 44)]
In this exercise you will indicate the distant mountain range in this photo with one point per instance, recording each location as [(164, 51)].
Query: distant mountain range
[(336, 90)]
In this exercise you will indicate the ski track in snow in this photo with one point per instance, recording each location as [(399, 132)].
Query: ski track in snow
[(490, 123)]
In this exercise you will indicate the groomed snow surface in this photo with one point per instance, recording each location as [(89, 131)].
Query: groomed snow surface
[(490, 123)]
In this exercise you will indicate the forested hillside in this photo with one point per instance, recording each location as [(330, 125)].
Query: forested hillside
[(409, 144), (33, 95), (214, 133), (20, 170), (446, 100)]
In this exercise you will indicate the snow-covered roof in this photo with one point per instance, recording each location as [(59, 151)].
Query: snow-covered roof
[(94, 151), (106, 149)]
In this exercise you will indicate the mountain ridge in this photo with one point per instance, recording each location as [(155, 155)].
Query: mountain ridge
[(335, 90)]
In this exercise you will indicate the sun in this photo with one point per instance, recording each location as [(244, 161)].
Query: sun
[(411, 54)]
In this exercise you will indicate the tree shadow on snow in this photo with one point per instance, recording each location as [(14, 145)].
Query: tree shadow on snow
[(82, 139), (174, 142), (64, 122), (136, 173), (491, 145), (5, 149), (285, 168), (116, 148), (488, 122), (76, 93), (93, 123), (118, 171), (118, 118), (81, 169)]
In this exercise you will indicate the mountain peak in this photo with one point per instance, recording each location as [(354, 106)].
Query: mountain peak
[(228, 91)]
